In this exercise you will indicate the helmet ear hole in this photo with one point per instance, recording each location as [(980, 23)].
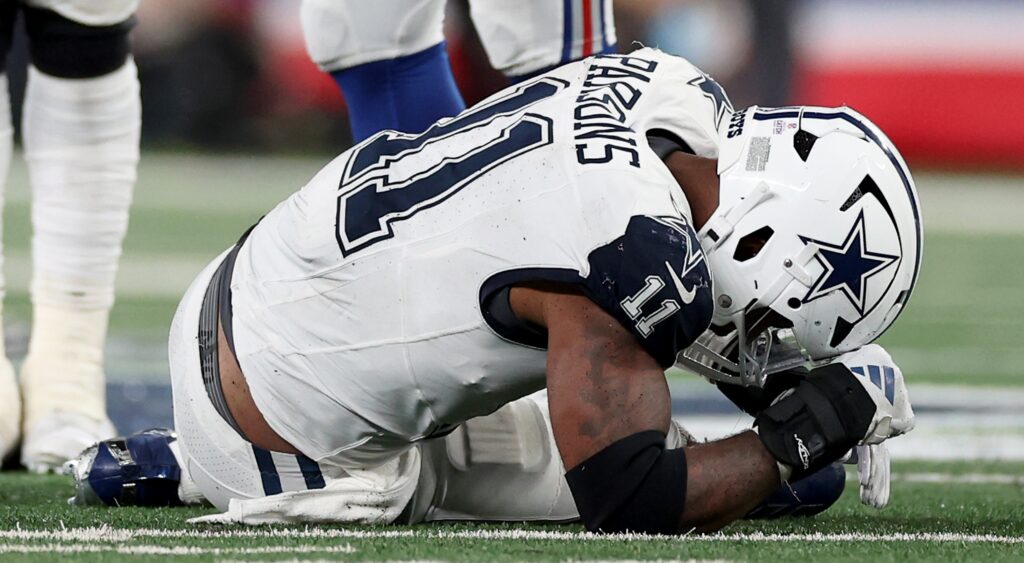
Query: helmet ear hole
[(751, 244)]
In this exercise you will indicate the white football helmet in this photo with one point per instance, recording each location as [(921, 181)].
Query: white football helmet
[(815, 246)]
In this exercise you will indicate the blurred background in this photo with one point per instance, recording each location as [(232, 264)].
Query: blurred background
[(236, 117)]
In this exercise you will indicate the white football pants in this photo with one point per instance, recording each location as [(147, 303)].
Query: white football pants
[(500, 467), (520, 36)]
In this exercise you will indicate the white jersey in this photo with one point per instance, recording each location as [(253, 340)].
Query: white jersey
[(370, 307)]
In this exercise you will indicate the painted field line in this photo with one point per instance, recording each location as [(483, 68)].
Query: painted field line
[(176, 550), (946, 478), (106, 534), (751, 537)]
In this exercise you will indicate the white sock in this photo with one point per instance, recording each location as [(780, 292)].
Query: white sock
[(10, 398), (82, 147)]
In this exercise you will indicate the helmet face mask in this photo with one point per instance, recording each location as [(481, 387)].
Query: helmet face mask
[(815, 246), (745, 355)]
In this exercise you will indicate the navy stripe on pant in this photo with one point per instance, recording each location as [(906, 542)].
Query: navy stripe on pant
[(270, 473)]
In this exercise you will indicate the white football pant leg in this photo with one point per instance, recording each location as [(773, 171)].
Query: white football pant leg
[(223, 467), (82, 148), (342, 34), (90, 12), (10, 397), (525, 36), (501, 467)]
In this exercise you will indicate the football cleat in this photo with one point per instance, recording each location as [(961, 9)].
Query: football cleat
[(136, 470), (10, 408), (63, 386), (59, 436), (809, 496)]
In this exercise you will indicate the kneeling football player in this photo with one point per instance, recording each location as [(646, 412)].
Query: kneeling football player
[(372, 350)]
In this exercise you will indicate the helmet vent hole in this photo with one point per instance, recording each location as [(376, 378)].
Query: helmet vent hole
[(803, 142), (751, 244), (793, 303)]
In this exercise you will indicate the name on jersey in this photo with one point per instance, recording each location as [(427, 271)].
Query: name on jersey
[(611, 89), (736, 123)]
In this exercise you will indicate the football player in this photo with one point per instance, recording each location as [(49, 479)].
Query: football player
[(373, 349), (389, 59), (81, 138)]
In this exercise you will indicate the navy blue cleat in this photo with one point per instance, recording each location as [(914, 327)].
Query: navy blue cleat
[(809, 496), (136, 470)]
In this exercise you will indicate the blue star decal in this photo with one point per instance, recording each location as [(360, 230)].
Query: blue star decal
[(847, 266), (714, 92)]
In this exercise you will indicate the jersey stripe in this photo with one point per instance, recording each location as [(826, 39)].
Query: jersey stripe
[(566, 30), (602, 28), (588, 28)]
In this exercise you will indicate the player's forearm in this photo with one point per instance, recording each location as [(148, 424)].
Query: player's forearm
[(725, 480)]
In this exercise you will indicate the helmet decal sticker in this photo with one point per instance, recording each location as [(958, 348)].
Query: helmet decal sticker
[(847, 266)]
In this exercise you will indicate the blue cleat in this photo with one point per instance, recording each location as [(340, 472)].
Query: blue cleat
[(136, 470)]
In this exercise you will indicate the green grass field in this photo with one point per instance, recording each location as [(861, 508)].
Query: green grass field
[(963, 325), (955, 520)]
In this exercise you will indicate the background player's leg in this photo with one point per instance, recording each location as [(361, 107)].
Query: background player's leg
[(405, 94), (389, 59), (524, 38), (81, 132), (10, 398)]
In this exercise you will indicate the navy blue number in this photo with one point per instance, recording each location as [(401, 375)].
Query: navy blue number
[(369, 200)]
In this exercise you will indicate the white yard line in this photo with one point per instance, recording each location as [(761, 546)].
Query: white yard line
[(108, 534), (967, 478), (950, 478), (951, 435), (177, 550), (103, 534)]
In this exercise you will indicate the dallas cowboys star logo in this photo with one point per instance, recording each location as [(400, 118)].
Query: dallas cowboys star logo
[(714, 92), (847, 266)]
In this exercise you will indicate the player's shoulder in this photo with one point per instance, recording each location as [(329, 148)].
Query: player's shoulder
[(643, 91), (655, 280)]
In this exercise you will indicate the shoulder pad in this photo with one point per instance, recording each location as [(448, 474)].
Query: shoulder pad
[(655, 281)]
